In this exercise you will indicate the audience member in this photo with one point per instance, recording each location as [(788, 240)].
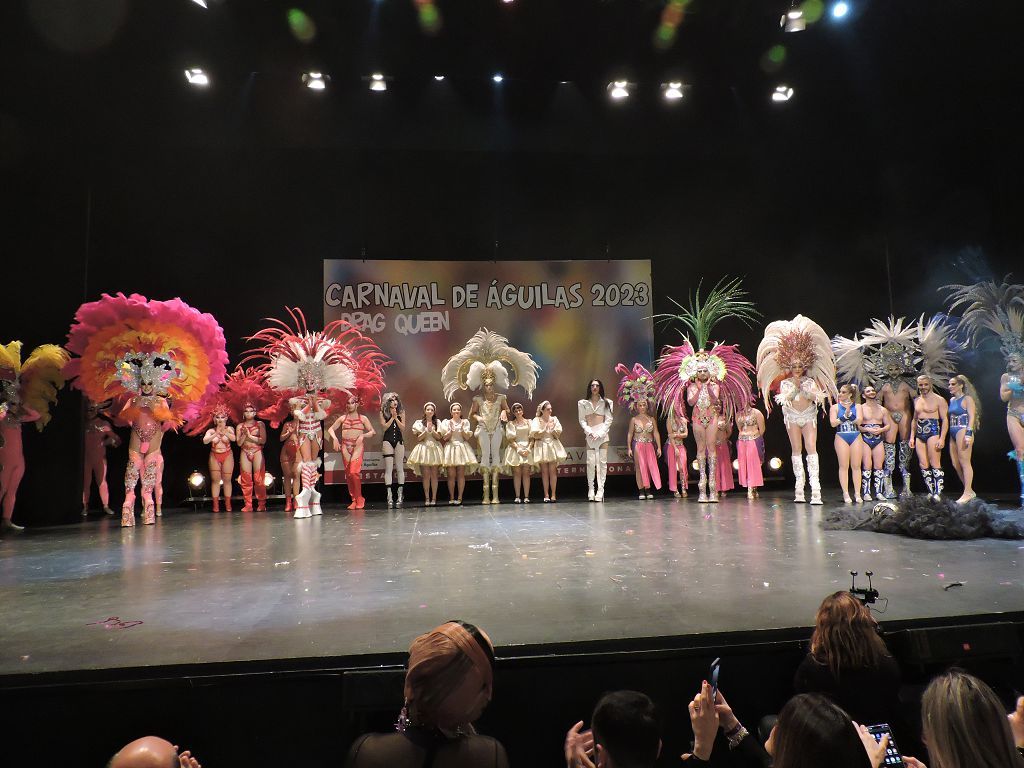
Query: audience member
[(965, 725), (152, 752), (447, 686), (849, 663), (624, 734)]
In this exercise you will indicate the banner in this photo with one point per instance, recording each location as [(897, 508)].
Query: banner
[(577, 318)]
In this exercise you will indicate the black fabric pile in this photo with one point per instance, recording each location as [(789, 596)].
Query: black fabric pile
[(921, 517)]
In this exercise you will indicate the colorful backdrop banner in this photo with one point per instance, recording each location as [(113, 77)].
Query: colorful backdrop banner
[(577, 318)]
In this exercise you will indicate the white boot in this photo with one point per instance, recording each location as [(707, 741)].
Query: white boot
[(798, 473), (602, 473), (302, 504), (398, 502), (314, 502), (391, 498), (812, 475), (591, 473)]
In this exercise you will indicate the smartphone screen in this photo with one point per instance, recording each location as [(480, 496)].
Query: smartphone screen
[(714, 679), (892, 752)]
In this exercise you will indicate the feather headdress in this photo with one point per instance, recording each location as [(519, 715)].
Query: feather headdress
[(488, 355), (339, 360), (635, 386), (123, 342), (679, 365), (796, 343), (34, 383), (896, 349), (997, 309)]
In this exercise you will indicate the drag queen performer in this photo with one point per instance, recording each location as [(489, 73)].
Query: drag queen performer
[(931, 424), (964, 419), (519, 453), (845, 420), (675, 453), (309, 370), (643, 442), (481, 366), (723, 478), (692, 375), (160, 361), (392, 424), (795, 357), (26, 393), (247, 394), (427, 456), (355, 428), (220, 436), (289, 458), (999, 310), (595, 415), (99, 435), (548, 452), (750, 449), (459, 457), (889, 355), (875, 424)]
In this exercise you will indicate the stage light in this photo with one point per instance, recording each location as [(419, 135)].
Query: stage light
[(498, 78), (775, 463), (377, 82), (619, 89), (840, 9), (197, 77), (672, 91), (268, 480), (694, 464), (782, 93), (315, 81), (439, 78), (197, 479), (794, 19), (736, 464), (200, 3)]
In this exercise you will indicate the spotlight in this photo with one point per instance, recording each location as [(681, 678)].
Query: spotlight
[(315, 81), (268, 480), (498, 78), (793, 20), (197, 479), (775, 463), (200, 3), (782, 93), (840, 9), (197, 77), (619, 89), (736, 464), (672, 91), (378, 82), (694, 464), (439, 78)]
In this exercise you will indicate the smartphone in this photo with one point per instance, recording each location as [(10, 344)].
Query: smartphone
[(892, 752), (714, 680)]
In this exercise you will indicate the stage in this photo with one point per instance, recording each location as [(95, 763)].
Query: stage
[(200, 588)]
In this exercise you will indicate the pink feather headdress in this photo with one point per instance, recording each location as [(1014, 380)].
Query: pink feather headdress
[(635, 386)]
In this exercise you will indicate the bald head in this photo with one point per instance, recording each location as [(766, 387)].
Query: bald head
[(147, 752)]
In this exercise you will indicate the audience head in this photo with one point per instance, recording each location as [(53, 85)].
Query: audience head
[(626, 731), (450, 675), (147, 752), (964, 724), (812, 731), (846, 635)]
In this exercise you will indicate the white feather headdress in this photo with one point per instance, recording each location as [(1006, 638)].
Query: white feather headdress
[(485, 352), (799, 342), (924, 347)]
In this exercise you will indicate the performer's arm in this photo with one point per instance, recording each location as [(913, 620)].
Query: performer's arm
[(833, 415), (27, 415), (536, 431), (943, 420), (692, 393), (209, 437), (969, 405), (581, 413), (1009, 391), (556, 427), (760, 424), (657, 436), (370, 431), (400, 418), (261, 433), (629, 437), (473, 411), (503, 416), (331, 434)]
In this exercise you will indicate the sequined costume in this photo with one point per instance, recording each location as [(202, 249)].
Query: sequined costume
[(484, 364), (636, 387), (159, 361), (790, 345), (27, 390)]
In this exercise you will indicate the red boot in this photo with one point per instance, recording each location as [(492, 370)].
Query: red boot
[(351, 483), (260, 479), (227, 503), (245, 480), (216, 503), (287, 503)]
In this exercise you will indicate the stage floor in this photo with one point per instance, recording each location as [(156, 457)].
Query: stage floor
[(235, 587)]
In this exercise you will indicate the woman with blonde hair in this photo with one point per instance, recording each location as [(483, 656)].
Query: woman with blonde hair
[(964, 418), (849, 663), (965, 726), (844, 419)]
